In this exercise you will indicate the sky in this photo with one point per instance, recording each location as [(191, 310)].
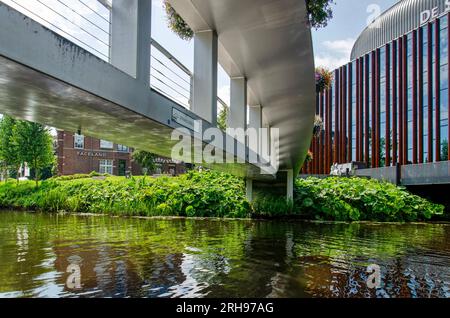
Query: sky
[(333, 44), (85, 22)]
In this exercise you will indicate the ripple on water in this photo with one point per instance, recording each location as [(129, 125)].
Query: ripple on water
[(71, 256)]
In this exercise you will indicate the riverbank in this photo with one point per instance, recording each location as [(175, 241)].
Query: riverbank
[(211, 194)]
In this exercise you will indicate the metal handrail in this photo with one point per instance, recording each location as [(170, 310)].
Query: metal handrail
[(106, 4), (221, 102), (172, 58), (94, 37)]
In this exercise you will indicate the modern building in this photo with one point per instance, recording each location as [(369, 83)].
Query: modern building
[(82, 154), (389, 106)]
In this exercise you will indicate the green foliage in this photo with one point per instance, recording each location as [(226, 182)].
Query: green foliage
[(324, 79), (176, 23), (319, 12), (145, 159), (212, 194), (355, 199), (222, 119), (8, 149), (272, 206), (33, 145), (81, 176), (444, 150), (202, 194)]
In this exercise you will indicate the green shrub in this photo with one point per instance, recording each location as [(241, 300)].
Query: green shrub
[(207, 194), (212, 194), (353, 199)]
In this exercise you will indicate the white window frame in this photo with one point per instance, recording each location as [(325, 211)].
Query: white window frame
[(105, 144), (106, 166), (77, 142), (122, 148)]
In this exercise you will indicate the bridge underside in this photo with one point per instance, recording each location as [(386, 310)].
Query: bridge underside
[(31, 95), (47, 79)]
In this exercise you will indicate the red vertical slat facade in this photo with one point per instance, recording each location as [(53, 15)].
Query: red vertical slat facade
[(373, 110), (437, 86), (357, 122), (388, 106), (412, 101), (344, 116), (394, 103), (366, 112), (350, 114), (400, 101), (414, 97), (430, 92), (404, 140), (420, 104), (336, 117)]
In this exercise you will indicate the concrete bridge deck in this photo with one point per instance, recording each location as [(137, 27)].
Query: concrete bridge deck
[(263, 44)]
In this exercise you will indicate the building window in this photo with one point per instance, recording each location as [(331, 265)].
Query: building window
[(106, 144), (78, 141), (122, 148), (106, 166)]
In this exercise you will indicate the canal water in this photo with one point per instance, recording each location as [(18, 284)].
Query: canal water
[(45, 255)]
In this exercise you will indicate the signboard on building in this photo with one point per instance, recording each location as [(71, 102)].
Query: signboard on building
[(91, 154), (184, 120), (433, 13)]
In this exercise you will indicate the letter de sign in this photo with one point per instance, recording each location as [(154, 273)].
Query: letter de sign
[(430, 15)]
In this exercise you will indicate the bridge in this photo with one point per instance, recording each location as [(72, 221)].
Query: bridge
[(121, 85)]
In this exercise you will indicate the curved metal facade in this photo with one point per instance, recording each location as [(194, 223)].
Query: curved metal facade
[(400, 19)]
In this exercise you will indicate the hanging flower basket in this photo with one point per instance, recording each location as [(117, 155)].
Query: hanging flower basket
[(176, 23), (318, 126), (324, 79)]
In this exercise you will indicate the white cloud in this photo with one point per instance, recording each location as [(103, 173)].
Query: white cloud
[(330, 62), (340, 46), (335, 53)]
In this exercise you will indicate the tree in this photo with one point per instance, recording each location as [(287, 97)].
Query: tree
[(34, 146), (444, 150), (9, 157), (222, 119), (145, 159), (319, 12)]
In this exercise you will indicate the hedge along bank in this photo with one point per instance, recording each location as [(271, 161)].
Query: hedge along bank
[(212, 194)]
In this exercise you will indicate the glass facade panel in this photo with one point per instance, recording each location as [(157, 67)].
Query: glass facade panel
[(433, 88), (383, 106), (443, 129)]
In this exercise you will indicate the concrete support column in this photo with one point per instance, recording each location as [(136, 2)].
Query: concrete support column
[(249, 189), (237, 118), (131, 23), (290, 185), (205, 76), (255, 122)]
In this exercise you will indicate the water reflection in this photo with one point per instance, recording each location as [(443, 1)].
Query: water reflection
[(75, 256)]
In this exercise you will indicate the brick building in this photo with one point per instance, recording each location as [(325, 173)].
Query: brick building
[(82, 154)]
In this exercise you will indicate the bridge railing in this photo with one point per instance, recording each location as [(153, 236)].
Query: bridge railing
[(84, 22), (87, 23), (169, 76)]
